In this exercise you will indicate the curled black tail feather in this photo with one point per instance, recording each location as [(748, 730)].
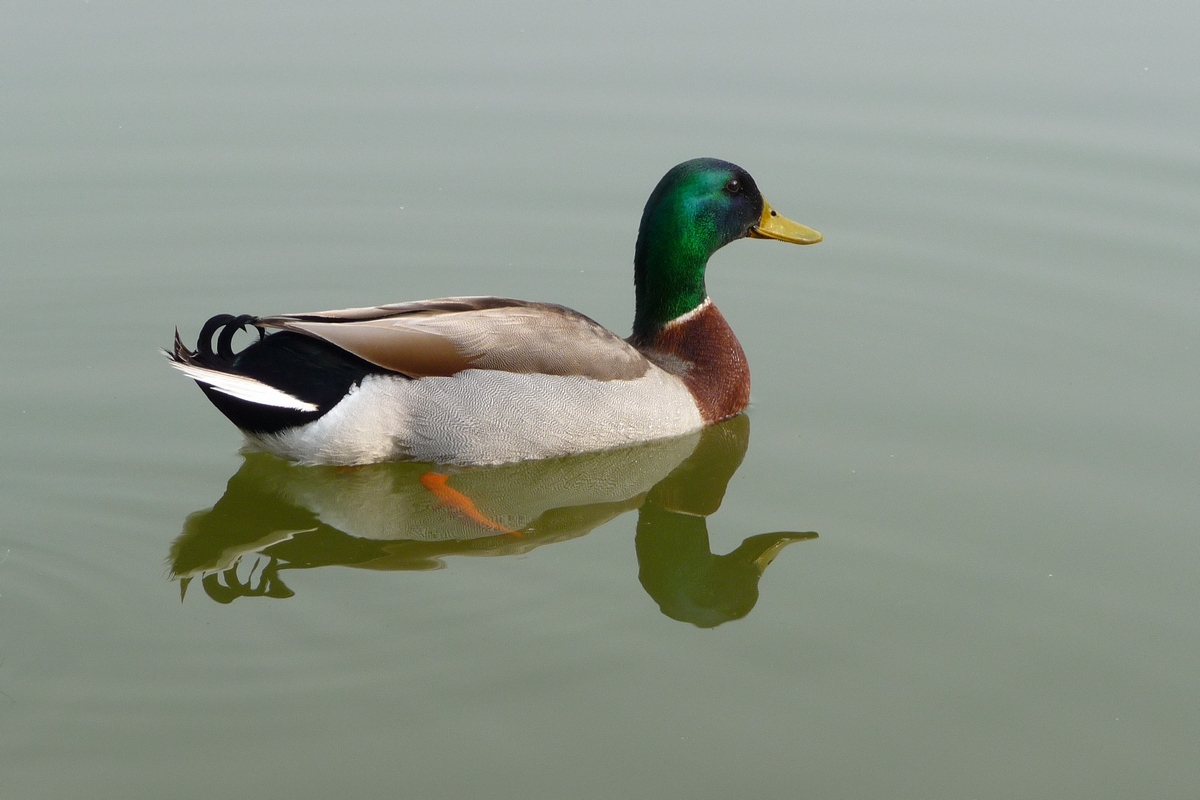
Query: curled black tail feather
[(228, 325), (223, 326), (307, 368)]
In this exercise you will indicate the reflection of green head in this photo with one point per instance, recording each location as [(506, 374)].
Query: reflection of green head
[(691, 584), (676, 565)]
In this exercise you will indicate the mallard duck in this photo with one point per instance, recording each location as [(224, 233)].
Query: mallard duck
[(486, 380)]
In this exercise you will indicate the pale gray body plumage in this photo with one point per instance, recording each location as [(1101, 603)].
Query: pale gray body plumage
[(482, 381), (488, 417)]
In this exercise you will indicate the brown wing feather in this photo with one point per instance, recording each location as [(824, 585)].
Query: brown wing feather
[(445, 336)]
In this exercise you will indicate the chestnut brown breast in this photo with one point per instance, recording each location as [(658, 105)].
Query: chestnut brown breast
[(705, 354)]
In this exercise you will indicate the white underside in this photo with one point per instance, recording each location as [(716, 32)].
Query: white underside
[(488, 417)]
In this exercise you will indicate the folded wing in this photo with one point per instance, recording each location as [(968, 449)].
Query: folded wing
[(448, 335)]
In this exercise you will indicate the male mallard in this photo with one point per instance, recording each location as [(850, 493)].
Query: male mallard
[(484, 380)]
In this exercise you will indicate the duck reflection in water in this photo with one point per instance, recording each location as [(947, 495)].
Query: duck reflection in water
[(276, 516)]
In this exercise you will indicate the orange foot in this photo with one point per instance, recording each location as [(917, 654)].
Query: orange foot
[(438, 485)]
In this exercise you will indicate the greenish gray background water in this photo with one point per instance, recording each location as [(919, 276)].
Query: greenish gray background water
[(980, 390)]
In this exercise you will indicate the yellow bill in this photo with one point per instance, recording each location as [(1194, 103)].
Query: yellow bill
[(774, 226)]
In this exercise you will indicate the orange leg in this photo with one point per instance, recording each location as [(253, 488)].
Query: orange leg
[(438, 485)]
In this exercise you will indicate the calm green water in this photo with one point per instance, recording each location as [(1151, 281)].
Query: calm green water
[(980, 392)]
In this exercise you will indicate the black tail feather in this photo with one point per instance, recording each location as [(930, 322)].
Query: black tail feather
[(223, 327), (305, 367)]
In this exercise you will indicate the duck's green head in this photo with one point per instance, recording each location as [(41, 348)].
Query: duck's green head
[(697, 208)]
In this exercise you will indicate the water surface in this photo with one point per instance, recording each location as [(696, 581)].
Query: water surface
[(979, 391)]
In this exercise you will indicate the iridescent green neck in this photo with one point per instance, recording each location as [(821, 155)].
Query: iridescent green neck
[(676, 238), (668, 277)]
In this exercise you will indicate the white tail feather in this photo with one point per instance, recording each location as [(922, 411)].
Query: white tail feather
[(243, 388)]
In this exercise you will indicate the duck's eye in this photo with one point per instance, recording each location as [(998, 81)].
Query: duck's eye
[(734, 186)]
